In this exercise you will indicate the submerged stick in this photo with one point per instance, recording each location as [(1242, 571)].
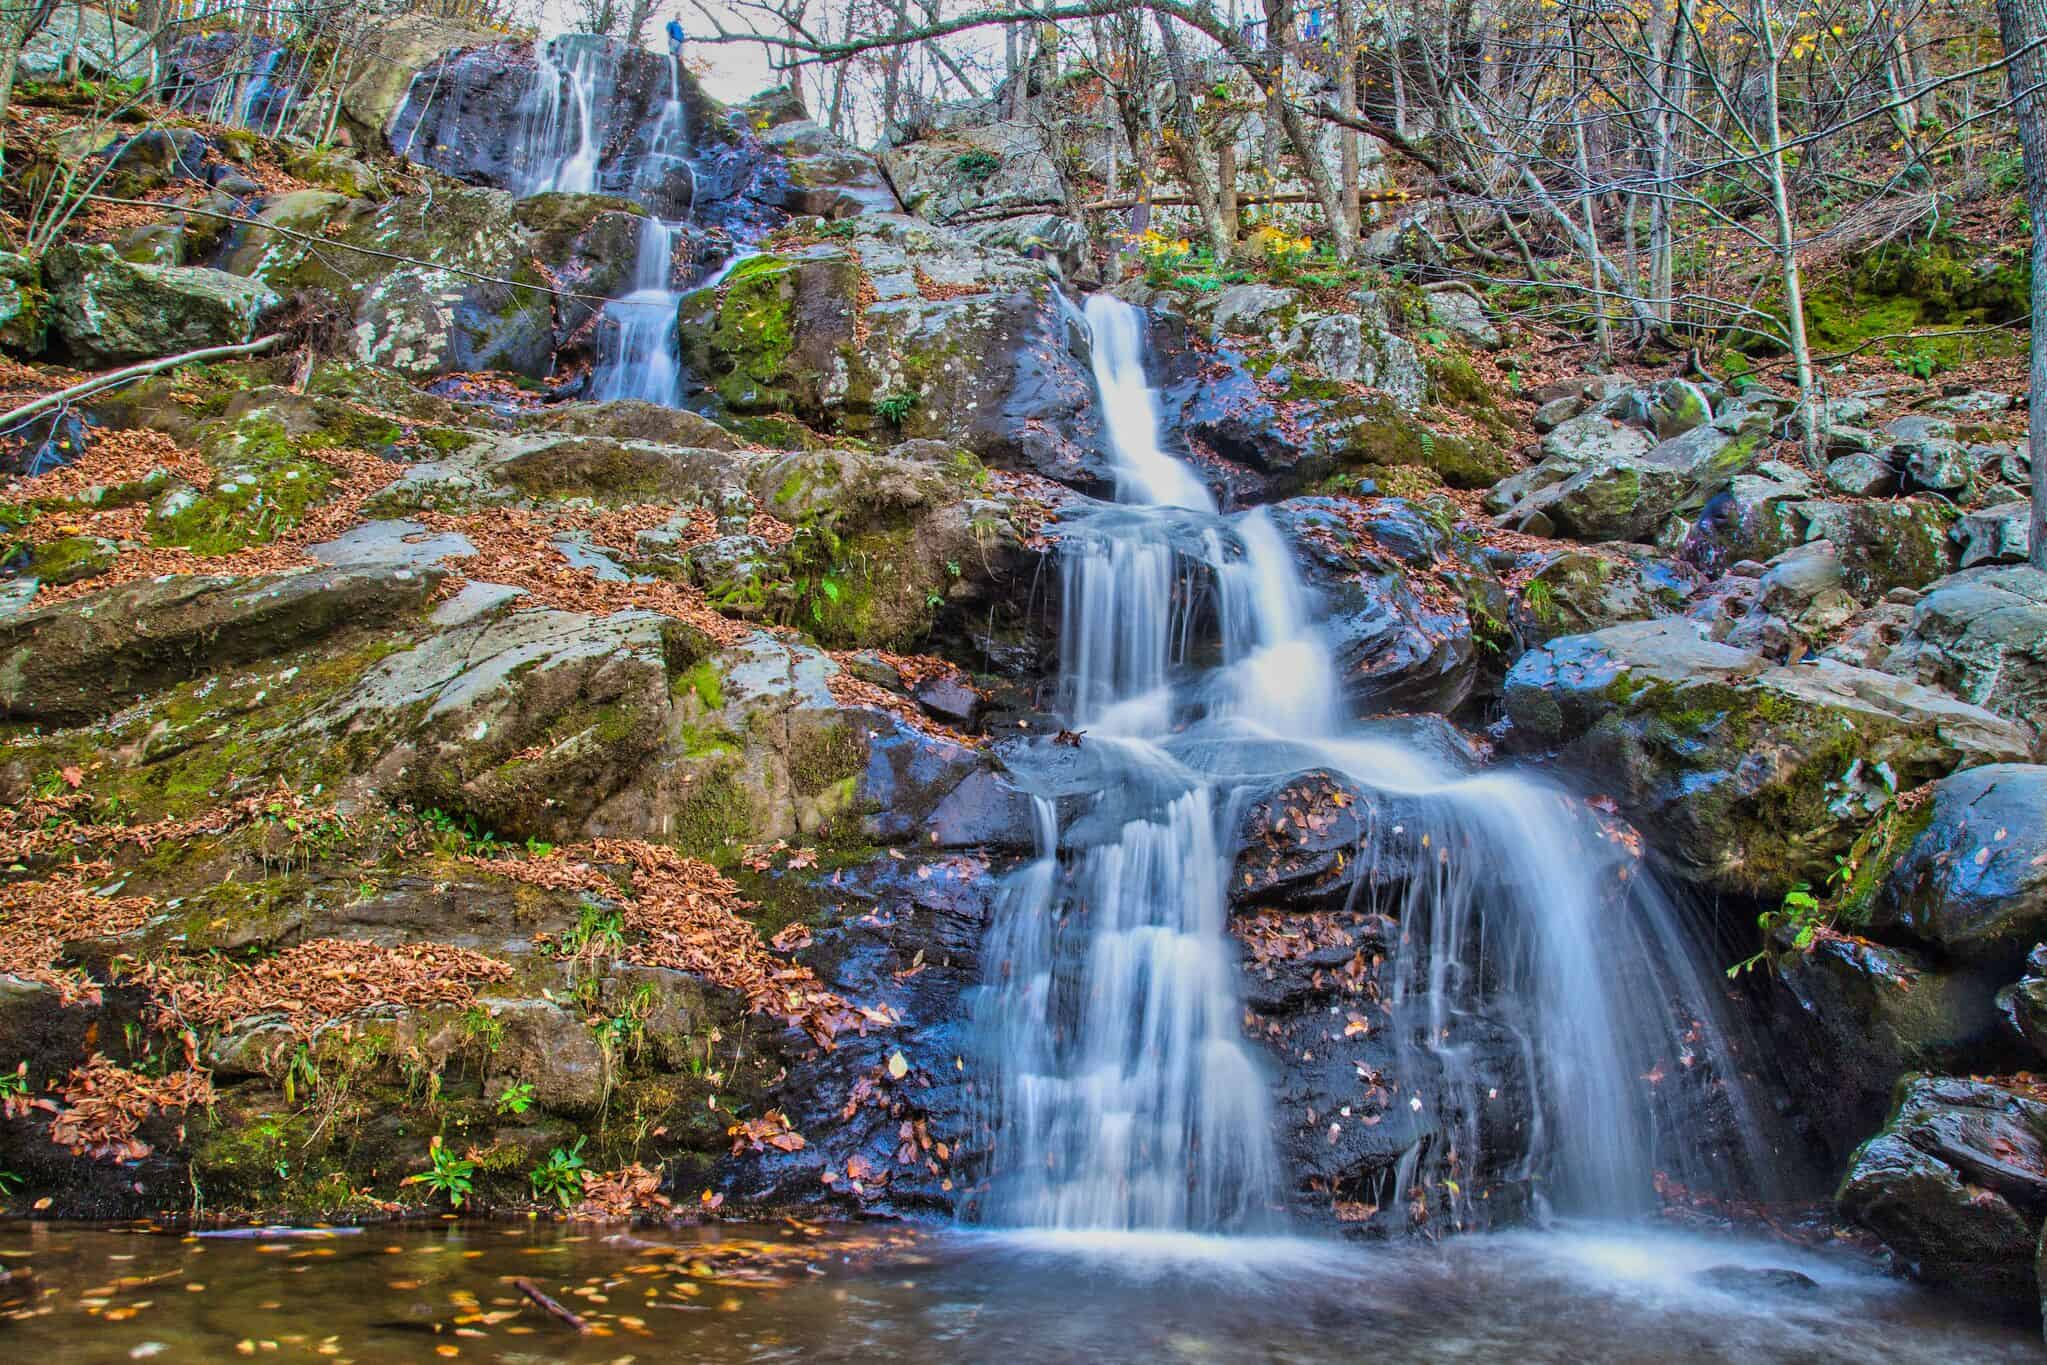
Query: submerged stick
[(551, 1304)]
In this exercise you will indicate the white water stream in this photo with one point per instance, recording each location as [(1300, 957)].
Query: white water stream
[(1126, 1095)]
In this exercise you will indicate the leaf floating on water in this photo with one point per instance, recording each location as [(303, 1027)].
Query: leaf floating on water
[(898, 1065)]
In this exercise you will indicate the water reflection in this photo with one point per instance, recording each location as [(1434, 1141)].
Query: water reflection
[(449, 1291)]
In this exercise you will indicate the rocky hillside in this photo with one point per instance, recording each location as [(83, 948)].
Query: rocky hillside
[(421, 776)]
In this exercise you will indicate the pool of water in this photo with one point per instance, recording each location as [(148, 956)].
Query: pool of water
[(453, 1291)]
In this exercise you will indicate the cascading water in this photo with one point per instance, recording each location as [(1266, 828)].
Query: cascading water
[(639, 358), (558, 146), (1123, 1094)]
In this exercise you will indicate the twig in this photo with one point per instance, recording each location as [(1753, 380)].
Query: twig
[(552, 1305), (88, 387)]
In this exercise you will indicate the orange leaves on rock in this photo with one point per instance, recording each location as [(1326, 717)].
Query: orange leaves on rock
[(328, 979), (771, 1131), (848, 690), (52, 824), (358, 476), (104, 1106), (38, 918), (687, 916), (112, 458), (516, 548)]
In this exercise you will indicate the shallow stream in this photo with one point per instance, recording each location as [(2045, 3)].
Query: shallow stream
[(447, 1291)]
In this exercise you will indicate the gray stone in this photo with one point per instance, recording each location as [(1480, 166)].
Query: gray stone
[(1995, 535), (1982, 635), (1460, 313), (1862, 476), (108, 311)]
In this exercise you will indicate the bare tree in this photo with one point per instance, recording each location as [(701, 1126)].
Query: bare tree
[(2023, 26)]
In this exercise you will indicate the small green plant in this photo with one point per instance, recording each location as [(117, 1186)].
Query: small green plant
[(1920, 361), (301, 1075), (483, 1027), (893, 407), (460, 834), (516, 1098), (597, 931), (1803, 915), (14, 1084), (624, 1032), (977, 167), (1541, 599), (448, 1174), (561, 1176), (9, 1183)]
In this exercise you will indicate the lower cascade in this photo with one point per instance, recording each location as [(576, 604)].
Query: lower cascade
[(1539, 976)]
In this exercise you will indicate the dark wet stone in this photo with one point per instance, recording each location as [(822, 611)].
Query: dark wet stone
[(1973, 884), (1742, 1279)]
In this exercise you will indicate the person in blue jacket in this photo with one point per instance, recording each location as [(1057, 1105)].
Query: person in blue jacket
[(676, 38)]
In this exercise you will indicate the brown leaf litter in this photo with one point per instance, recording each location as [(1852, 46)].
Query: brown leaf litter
[(323, 980), (104, 1106)]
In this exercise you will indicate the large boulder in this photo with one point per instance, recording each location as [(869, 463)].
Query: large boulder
[(87, 656), (1605, 479), (107, 311), (1982, 635), (395, 50), (1883, 544), (1573, 592), (1996, 535), (904, 331), (428, 314), (813, 172), (1754, 775), (977, 171), (100, 44), (1955, 1185), (1973, 883)]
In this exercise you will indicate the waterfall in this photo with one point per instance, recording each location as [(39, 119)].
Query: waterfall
[(639, 358), (558, 143), (1121, 1091)]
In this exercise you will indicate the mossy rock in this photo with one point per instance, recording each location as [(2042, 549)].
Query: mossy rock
[(24, 308), (1376, 431), (1754, 775)]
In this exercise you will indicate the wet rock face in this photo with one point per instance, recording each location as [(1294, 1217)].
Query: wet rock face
[(1973, 884), (1397, 647), (1860, 1015), (907, 332), (888, 1138), (1956, 1185)]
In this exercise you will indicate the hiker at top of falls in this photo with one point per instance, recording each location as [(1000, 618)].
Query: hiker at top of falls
[(676, 38)]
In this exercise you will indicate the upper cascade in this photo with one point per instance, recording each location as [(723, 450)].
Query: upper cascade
[(583, 114)]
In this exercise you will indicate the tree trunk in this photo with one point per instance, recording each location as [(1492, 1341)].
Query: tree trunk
[(2023, 23), (1787, 249), (1189, 145), (1279, 19), (1347, 101)]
